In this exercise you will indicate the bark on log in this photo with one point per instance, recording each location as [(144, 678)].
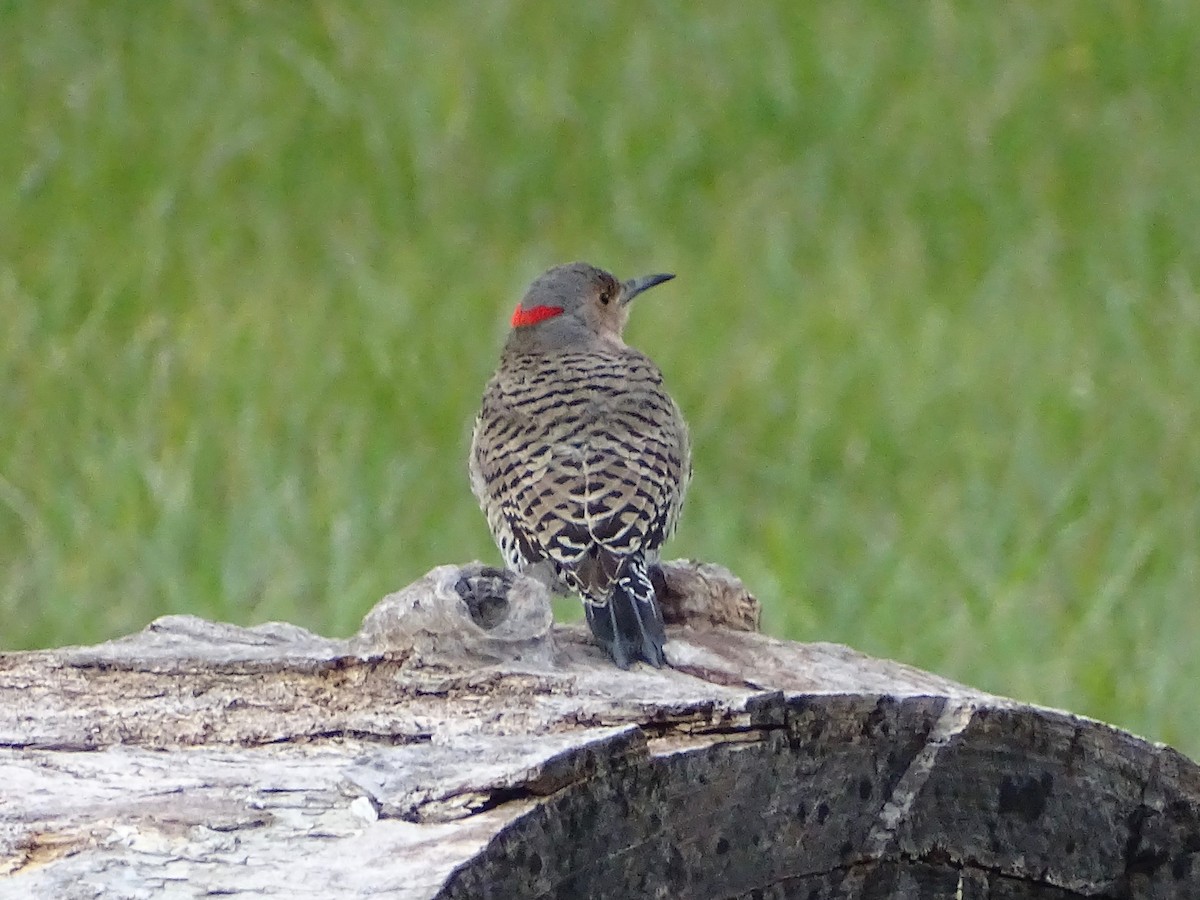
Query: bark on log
[(462, 746)]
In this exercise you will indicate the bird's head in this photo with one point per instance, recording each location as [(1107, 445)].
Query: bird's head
[(574, 305)]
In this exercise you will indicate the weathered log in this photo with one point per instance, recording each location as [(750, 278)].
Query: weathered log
[(462, 746)]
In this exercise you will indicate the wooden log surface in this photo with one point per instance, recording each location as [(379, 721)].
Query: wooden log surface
[(460, 745)]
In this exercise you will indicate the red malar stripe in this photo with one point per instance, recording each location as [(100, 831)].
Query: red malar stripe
[(523, 316)]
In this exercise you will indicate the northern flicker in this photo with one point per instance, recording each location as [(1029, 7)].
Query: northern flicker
[(580, 458)]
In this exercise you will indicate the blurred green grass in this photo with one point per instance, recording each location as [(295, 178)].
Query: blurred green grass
[(936, 327)]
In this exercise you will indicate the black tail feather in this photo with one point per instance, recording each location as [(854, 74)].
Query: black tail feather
[(628, 623)]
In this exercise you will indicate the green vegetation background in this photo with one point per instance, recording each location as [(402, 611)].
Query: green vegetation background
[(936, 326)]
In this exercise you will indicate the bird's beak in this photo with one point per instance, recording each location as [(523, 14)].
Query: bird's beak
[(635, 286)]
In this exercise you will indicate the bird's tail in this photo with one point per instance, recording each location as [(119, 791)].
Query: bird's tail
[(628, 623)]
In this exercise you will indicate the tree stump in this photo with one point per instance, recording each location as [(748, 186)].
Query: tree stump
[(462, 746)]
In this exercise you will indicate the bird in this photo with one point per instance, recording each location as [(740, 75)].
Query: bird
[(579, 457)]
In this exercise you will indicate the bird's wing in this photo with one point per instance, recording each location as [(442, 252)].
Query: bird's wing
[(583, 469)]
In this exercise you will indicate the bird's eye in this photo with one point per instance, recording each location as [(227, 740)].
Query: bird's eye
[(605, 296)]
